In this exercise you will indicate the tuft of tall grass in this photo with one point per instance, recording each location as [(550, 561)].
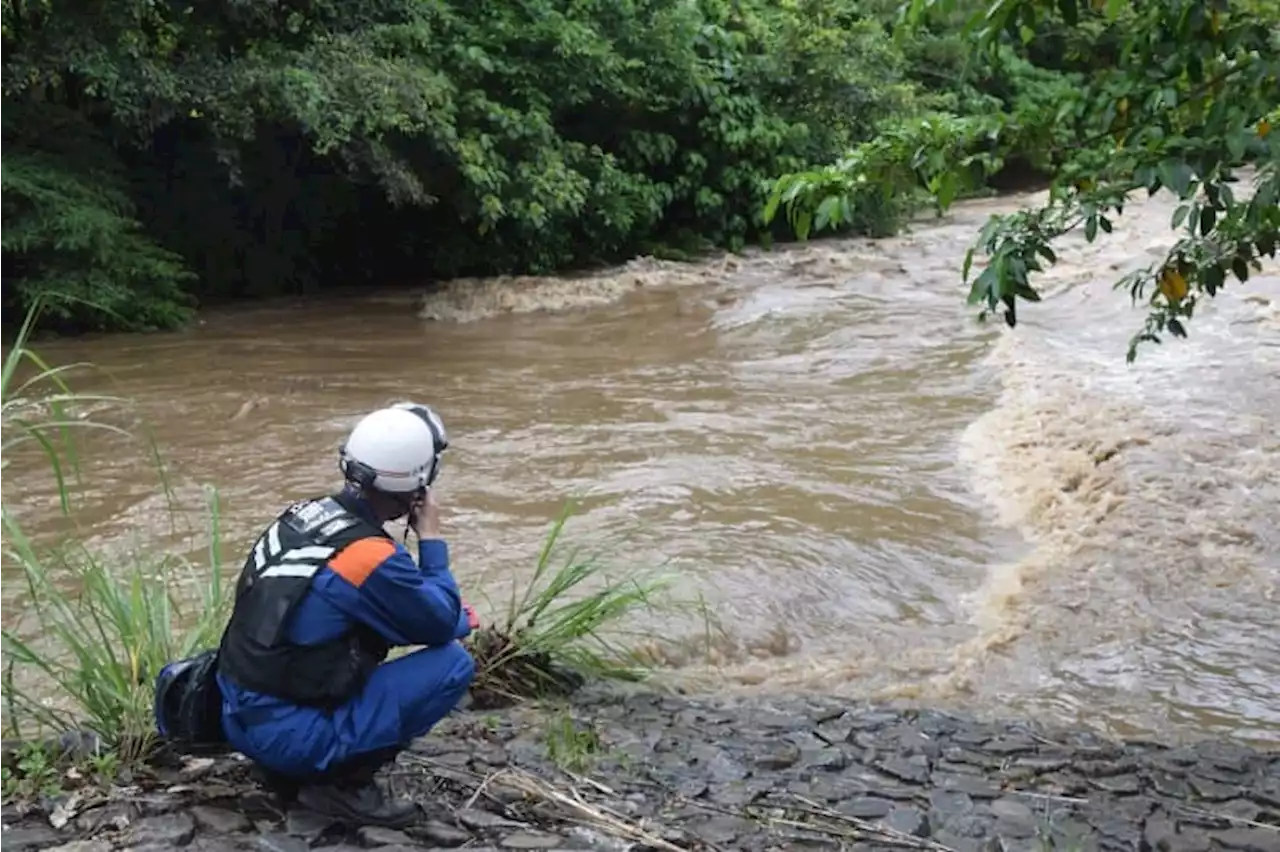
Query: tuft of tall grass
[(103, 632), (555, 634), (40, 407), (100, 631)]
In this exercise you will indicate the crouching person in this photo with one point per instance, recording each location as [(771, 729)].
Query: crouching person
[(325, 593)]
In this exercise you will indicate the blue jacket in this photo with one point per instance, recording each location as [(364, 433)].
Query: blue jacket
[(404, 602)]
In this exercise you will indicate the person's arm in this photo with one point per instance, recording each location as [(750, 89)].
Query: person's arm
[(433, 559), (375, 581)]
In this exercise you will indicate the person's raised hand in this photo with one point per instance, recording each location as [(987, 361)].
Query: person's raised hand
[(425, 518)]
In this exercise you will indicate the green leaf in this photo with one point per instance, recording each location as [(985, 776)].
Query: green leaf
[(1213, 277), (1236, 145), (1208, 218), (827, 212), (1177, 176)]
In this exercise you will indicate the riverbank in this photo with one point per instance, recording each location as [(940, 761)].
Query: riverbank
[(649, 771)]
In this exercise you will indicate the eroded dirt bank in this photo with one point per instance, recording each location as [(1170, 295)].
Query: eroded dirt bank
[(679, 773)]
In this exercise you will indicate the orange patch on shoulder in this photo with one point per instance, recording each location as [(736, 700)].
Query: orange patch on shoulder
[(359, 559)]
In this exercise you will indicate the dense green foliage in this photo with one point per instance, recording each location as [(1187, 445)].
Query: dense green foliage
[(162, 155), (1177, 95), (233, 149)]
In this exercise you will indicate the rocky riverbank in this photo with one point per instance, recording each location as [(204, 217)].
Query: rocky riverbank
[(647, 771)]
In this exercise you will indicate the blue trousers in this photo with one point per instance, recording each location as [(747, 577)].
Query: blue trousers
[(402, 700)]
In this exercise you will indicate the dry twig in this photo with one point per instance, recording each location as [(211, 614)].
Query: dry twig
[(593, 815), (848, 827)]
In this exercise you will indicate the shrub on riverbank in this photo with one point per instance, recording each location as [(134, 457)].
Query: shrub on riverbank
[(553, 636), (289, 149)]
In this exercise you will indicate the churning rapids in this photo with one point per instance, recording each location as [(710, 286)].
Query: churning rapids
[(874, 494)]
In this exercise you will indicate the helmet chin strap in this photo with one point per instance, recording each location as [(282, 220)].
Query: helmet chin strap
[(408, 503)]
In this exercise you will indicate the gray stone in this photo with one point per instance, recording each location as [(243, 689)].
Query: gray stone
[(28, 837), (371, 836), (1124, 785), (1230, 756), (1041, 765), (946, 807), (781, 757), (1012, 744), (453, 758), (220, 820), (971, 734), (1016, 828), (957, 755), (961, 843), (834, 759), (733, 795), (974, 786), (1011, 809), (229, 843), (721, 829), (1113, 826), (691, 788), (1249, 839), (442, 834), (108, 817), (723, 768), (477, 819), (1267, 792), (866, 807), (82, 846), (1212, 791), (908, 820), (531, 840), (866, 720), (1169, 785), (914, 769), (1070, 834), (275, 842), (175, 829), (1161, 834)]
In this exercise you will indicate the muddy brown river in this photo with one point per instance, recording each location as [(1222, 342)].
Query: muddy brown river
[(874, 494)]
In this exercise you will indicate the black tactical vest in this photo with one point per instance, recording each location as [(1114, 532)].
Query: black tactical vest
[(255, 652)]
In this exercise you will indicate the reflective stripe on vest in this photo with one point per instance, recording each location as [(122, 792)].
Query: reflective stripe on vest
[(270, 561)]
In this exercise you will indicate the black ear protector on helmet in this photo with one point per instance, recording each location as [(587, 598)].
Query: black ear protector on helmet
[(363, 475), (439, 438)]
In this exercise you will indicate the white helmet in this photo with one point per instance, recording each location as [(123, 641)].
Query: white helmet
[(396, 449)]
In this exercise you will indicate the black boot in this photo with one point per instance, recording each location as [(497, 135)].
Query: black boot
[(282, 787), (358, 802)]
